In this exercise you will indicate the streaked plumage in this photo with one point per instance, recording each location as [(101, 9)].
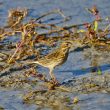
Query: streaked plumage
[(56, 58)]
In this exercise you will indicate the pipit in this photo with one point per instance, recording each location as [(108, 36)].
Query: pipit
[(55, 58)]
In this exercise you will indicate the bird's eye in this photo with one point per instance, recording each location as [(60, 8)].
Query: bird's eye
[(66, 44)]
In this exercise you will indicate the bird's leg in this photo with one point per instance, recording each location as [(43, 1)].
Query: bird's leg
[(53, 76)]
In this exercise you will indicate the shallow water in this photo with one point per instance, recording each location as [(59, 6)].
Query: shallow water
[(76, 63)]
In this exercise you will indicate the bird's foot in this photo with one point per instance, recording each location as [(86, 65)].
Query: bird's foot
[(55, 82)]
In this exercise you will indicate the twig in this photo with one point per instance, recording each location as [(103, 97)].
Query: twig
[(63, 89), (53, 12), (21, 43)]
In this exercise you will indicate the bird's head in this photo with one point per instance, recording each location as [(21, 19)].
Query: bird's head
[(66, 44), (72, 44)]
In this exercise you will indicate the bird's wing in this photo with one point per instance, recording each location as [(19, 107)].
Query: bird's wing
[(52, 55)]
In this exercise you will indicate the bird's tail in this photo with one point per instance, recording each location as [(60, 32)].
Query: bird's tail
[(34, 62), (29, 62)]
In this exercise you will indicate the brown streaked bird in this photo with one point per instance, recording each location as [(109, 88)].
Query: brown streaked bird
[(55, 58)]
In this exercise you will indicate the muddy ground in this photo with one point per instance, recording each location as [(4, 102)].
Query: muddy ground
[(84, 78)]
